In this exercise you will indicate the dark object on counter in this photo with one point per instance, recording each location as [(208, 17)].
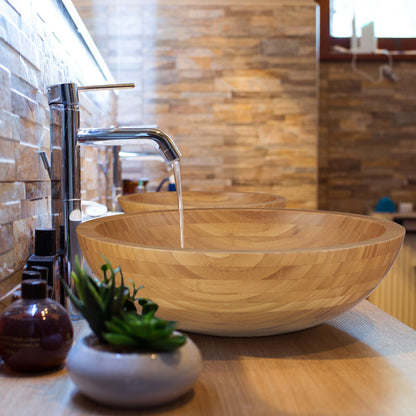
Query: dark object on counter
[(26, 275), (406, 220), (44, 272), (62, 267), (134, 187), (129, 186), (35, 332), (46, 255)]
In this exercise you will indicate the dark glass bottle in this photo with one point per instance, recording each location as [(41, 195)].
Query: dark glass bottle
[(36, 332), (63, 266), (44, 272), (26, 275), (46, 255)]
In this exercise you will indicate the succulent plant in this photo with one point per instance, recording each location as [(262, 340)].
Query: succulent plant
[(143, 330), (111, 313)]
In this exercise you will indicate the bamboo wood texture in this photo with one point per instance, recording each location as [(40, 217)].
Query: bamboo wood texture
[(362, 363), (246, 272), (155, 201)]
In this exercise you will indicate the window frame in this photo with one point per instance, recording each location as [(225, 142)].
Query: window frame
[(327, 42)]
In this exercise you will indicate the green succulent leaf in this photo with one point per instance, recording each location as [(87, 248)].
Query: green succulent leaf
[(148, 306), (169, 344), (76, 301), (122, 340), (113, 326), (109, 307)]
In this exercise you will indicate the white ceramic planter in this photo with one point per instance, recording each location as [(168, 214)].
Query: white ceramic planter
[(132, 379)]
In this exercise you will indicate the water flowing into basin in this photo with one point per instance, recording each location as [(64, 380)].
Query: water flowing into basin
[(176, 166)]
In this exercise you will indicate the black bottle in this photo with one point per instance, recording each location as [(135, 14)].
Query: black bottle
[(63, 267), (44, 272), (46, 255), (26, 275)]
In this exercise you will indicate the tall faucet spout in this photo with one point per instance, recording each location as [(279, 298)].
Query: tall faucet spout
[(130, 135), (66, 138)]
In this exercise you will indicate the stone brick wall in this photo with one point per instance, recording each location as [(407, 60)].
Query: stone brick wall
[(234, 82), (367, 137), (38, 47)]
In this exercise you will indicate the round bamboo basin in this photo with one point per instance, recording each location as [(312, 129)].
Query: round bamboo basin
[(246, 272), (155, 201)]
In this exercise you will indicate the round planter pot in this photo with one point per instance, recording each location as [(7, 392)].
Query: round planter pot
[(132, 379)]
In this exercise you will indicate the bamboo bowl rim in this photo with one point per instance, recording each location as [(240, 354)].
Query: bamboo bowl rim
[(229, 199), (389, 230)]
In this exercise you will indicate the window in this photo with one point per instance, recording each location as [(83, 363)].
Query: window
[(394, 26), (398, 21)]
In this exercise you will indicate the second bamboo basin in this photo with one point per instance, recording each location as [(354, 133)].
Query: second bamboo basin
[(246, 272), (155, 201)]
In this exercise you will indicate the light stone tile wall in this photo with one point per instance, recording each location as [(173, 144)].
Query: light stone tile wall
[(245, 119), (367, 139), (38, 47), (234, 82)]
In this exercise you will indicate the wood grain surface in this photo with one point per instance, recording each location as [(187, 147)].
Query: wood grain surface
[(247, 272), (362, 363), (154, 201)]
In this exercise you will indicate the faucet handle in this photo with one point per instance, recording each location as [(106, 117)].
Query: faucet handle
[(67, 93), (105, 87)]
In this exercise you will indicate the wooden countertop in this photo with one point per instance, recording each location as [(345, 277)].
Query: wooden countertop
[(362, 363)]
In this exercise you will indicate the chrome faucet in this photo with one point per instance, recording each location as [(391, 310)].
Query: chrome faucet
[(65, 168)]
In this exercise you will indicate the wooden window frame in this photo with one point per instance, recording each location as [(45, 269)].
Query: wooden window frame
[(327, 42)]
